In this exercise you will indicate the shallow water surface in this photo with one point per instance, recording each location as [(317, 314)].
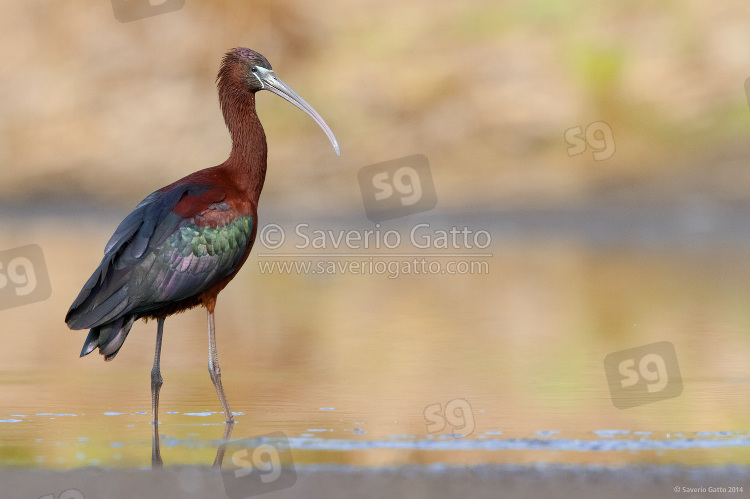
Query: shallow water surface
[(505, 365)]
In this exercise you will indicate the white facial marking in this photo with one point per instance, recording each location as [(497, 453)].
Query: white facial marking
[(265, 73)]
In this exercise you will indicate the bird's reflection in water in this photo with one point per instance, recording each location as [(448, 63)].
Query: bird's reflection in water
[(156, 461)]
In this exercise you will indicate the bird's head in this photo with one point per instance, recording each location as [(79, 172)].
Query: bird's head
[(254, 72)]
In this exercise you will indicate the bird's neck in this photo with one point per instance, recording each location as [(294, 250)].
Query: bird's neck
[(247, 162)]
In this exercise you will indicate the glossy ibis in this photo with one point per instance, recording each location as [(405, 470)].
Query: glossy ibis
[(183, 243)]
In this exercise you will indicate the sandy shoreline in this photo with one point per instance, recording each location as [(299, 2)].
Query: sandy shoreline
[(411, 481)]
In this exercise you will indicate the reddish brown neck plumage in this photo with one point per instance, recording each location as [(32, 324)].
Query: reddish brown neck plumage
[(246, 165)]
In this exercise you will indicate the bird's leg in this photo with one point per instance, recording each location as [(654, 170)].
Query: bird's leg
[(213, 367), (156, 379), (156, 382), (223, 445)]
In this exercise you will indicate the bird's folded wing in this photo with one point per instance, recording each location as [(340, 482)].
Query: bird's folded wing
[(157, 256)]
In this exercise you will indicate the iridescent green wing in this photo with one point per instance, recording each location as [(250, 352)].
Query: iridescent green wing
[(157, 256)]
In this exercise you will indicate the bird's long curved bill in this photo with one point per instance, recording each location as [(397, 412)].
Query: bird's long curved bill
[(271, 82)]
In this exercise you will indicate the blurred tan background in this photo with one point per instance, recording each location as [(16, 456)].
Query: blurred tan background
[(99, 111)]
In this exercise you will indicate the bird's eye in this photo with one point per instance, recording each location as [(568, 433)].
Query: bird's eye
[(254, 69)]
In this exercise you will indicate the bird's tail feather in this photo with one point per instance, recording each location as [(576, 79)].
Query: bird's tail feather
[(108, 337)]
